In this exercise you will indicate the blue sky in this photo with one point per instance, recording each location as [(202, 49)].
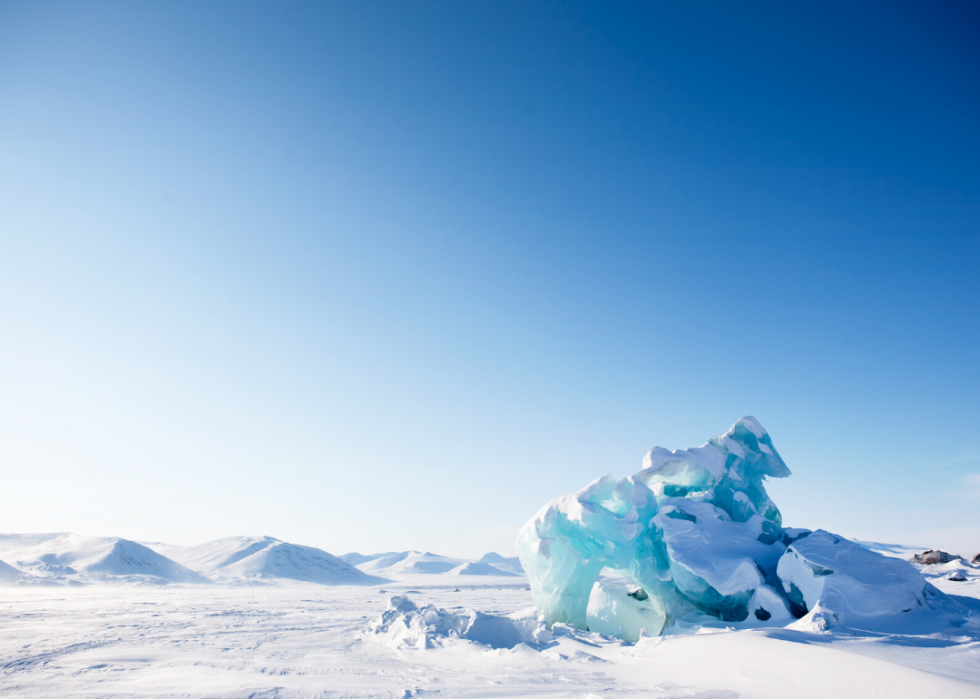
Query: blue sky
[(376, 276)]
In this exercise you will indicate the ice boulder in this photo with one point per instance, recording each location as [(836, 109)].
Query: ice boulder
[(853, 585), (405, 625), (696, 532)]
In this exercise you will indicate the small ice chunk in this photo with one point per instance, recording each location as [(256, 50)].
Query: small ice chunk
[(615, 611)]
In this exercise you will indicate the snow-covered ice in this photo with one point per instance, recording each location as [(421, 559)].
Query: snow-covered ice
[(696, 532)]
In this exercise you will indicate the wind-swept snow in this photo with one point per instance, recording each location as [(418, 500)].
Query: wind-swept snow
[(303, 640)]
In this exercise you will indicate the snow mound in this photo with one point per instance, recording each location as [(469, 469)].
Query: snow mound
[(411, 562), (73, 557), (418, 563), (511, 565), (696, 531), (356, 559), (406, 626), (265, 558), (478, 568)]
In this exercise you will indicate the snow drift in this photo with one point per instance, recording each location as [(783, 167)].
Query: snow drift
[(697, 533)]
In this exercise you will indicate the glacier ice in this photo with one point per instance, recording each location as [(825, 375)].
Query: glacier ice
[(696, 530)]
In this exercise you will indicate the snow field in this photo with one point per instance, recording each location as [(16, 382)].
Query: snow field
[(296, 639)]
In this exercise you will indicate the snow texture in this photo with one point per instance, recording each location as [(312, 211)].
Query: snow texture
[(696, 530), (299, 641)]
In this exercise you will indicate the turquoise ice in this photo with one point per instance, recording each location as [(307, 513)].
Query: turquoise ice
[(698, 536)]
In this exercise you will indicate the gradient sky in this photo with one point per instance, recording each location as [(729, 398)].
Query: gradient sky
[(376, 276)]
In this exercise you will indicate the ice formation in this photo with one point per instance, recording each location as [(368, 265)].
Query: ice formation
[(406, 626), (699, 536)]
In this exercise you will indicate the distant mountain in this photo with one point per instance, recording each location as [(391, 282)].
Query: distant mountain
[(70, 556), (8, 573), (412, 562), (415, 562), (356, 559), (480, 568), (244, 558), (511, 565)]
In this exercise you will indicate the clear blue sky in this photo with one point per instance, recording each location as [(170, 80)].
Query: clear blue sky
[(376, 276)]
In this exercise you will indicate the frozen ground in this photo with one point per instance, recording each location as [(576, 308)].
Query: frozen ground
[(294, 639)]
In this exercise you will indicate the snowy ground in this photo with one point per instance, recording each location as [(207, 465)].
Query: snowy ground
[(307, 640)]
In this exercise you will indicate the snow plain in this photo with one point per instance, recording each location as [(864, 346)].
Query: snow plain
[(287, 638)]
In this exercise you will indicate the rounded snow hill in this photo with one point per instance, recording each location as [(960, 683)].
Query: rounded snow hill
[(512, 565), (412, 562), (478, 568), (8, 573), (70, 556), (247, 557)]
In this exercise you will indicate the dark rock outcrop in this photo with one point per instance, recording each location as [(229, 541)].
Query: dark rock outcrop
[(975, 561), (929, 558)]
